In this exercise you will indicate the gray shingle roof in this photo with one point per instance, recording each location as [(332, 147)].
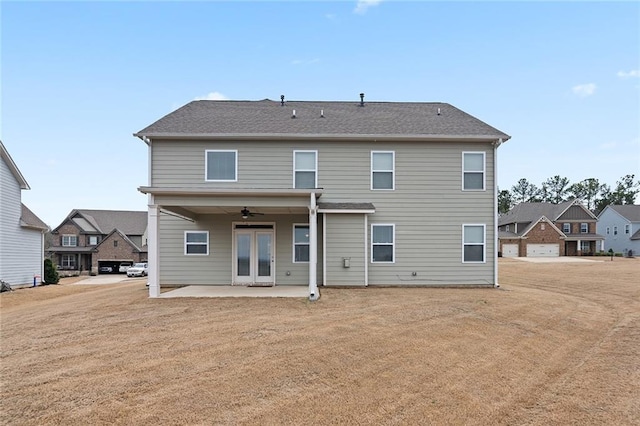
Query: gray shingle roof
[(30, 220), (105, 221), (529, 212), (631, 212), (346, 119), (346, 206)]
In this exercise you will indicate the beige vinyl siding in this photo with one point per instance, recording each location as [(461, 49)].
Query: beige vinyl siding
[(345, 234), (428, 205), (176, 268)]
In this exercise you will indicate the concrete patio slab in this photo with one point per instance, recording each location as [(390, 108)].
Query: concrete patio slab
[(237, 291)]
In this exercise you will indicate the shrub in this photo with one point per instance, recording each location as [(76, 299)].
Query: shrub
[(50, 273)]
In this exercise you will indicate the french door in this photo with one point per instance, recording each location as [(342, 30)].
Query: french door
[(254, 255)]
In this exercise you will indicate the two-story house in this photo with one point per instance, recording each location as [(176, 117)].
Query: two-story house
[(330, 193), (620, 225), (21, 231), (92, 241), (548, 230)]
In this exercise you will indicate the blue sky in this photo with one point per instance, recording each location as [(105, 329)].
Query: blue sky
[(79, 78)]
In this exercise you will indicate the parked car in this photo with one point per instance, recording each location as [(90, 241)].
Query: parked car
[(138, 270), (124, 267), (106, 269)]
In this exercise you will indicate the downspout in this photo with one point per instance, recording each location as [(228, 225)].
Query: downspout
[(495, 215), (313, 248), (366, 251)]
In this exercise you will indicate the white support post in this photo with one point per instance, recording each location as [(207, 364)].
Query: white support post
[(152, 243), (313, 248), (496, 284), (602, 245)]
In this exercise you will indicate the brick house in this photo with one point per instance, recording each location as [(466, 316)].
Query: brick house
[(90, 239), (548, 230)]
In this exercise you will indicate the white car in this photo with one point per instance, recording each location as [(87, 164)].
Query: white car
[(138, 270), (124, 267)]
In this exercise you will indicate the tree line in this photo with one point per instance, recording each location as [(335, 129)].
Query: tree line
[(595, 195)]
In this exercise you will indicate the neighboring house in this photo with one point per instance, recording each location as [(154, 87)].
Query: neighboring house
[(336, 193), (21, 231), (88, 240), (548, 230), (620, 226)]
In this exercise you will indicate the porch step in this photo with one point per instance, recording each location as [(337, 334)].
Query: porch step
[(260, 285)]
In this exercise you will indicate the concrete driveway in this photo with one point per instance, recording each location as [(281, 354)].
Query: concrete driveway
[(560, 259), (108, 279)]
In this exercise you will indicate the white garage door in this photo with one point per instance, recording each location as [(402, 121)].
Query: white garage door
[(509, 250), (543, 250)]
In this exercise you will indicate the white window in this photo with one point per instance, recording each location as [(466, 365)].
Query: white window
[(627, 229), (507, 229), (608, 230), (473, 171), (305, 167), (383, 169), (566, 228), (585, 246), (584, 228), (69, 240), (196, 242), (383, 243), (300, 243), (68, 261), (473, 243), (615, 230), (221, 165), (93, 240)]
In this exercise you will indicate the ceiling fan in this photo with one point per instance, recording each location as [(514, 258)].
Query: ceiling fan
[(246, 213)]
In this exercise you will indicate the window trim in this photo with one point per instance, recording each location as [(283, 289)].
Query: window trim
[(615, 230), (627, 229), (315, 171), (70, 236), (206, 165), (89, 239), (393, 244), (392, 171), (484, 170), (186, 244), (564, 228), (484, 243), (72, 264), (294, 244), (586, 226), (608, 230)]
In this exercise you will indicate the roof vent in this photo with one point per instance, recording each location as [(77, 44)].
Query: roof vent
[(281, 100), (293, 115), (438, 111), (322, 113), (361, 99)]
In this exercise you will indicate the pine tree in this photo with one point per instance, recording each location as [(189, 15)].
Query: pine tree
[(50, 273)]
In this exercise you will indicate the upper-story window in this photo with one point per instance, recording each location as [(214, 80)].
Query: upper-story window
[(92, 240), (584, 228), (305, 169), (608, 230), (615, 230), (69, 240), (473, 243), (627, 229), (383, 170), (473, 168), (221, 165), (507, 228), (566, 228)]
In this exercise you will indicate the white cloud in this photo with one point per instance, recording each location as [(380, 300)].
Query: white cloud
[(584, 90), (331, 16), (629, 74), (363, 5), (213, 96)]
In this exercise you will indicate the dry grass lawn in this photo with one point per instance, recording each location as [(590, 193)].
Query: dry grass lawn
[(557, 344)]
